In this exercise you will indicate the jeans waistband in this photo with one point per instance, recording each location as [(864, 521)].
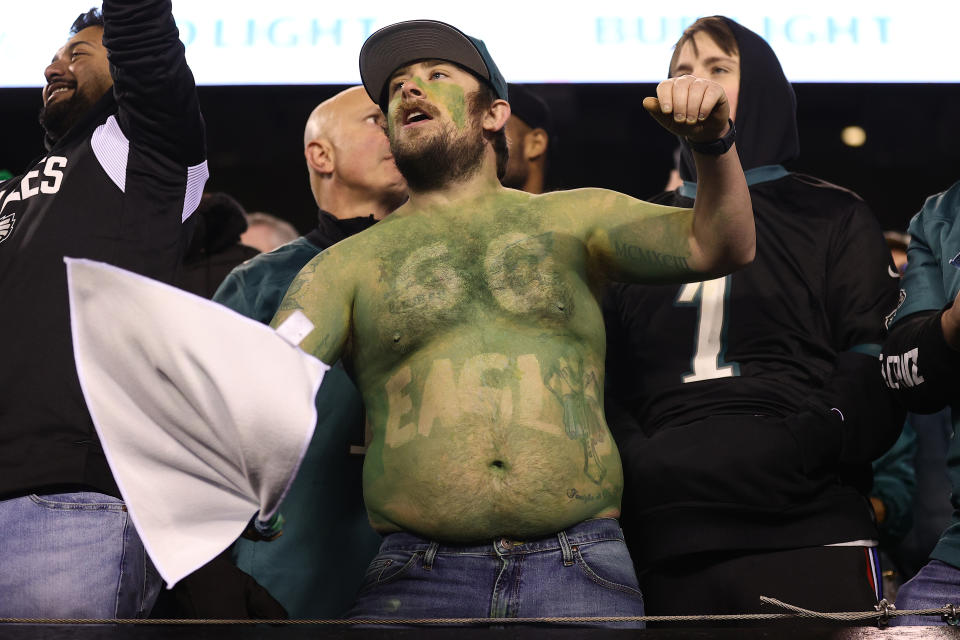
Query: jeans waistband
[(594, 530)]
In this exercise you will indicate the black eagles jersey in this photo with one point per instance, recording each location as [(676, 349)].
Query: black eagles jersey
[(117, 188), (760, 340), (738, 403)]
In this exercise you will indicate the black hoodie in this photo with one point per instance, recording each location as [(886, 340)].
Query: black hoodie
[(726, 398)]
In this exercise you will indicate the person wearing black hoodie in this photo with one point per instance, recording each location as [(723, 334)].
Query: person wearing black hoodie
[(747, 408)]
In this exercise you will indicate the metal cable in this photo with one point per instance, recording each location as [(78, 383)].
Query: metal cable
[(882, 614)]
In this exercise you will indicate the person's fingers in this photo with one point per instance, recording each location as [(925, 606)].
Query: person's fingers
[(696, 110), (713, 100), (681, 91), (655, 108), (665, 96), (651, 104)]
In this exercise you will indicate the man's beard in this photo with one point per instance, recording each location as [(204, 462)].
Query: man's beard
[(441, 160), (59, 117)]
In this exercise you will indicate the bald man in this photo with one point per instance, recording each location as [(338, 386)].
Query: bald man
[(316, 566)]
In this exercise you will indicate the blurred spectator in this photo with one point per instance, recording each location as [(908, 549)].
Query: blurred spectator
[(530, 135), (911, 488), (266, 232), (674, 181), (921, 363), (215, 247)]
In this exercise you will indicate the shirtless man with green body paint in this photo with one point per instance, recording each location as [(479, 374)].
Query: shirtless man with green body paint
[(469, 318)]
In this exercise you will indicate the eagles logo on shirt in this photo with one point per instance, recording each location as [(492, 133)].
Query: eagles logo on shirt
[(889, 318), (6, 225)]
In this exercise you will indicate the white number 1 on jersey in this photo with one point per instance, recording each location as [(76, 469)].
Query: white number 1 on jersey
[(711, 296)]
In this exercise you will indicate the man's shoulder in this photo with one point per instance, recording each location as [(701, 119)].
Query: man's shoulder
[(935, 225), (823, 188), (943, 205)]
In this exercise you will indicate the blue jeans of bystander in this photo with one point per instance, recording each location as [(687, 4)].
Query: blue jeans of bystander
[(937, 584), (72, 555), (584, 571)]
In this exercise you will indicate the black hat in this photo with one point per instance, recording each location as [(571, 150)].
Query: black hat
[(530, 108), (404, 42)]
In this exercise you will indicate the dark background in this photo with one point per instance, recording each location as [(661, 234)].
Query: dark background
[(255, 133)]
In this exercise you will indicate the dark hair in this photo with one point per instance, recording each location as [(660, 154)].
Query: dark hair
[(92, 18), (480, 101), (715, 27)]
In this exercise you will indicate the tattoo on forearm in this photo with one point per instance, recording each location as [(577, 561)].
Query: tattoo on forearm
[(649, 256)]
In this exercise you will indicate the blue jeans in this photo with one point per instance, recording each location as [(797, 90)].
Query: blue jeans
[(72, 555), (935, 585), (584, 571)]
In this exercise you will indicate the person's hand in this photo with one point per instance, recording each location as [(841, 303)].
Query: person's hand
[(950, 323), (879, 509), (691, 107)]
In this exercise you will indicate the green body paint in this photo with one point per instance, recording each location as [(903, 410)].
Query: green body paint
[(476, 338), (451, 96)]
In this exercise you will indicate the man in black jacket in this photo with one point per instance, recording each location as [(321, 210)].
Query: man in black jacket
[(124, 169), (748, 408)]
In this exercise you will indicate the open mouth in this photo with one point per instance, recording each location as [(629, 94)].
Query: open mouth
[(56, 89), (414, 115)]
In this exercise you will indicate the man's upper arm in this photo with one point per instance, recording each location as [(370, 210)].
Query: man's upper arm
[(323, 291), (631, 240), (154, 87)]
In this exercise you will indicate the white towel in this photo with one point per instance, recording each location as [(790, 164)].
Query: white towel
[(204, 415)]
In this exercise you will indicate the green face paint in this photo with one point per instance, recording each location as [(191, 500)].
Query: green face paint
[(449, 95)]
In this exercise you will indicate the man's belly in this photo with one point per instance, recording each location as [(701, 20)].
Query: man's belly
[(489, 446)]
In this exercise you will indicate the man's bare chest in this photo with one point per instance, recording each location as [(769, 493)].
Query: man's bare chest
[(436, 283)]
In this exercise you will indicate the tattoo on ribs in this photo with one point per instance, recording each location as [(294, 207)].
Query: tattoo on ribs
[(578, 390)]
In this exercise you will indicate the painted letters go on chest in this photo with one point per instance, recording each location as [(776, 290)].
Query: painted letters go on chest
[(518, 269)]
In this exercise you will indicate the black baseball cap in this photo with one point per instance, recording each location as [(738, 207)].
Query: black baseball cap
[(530, 108), (399, 44)]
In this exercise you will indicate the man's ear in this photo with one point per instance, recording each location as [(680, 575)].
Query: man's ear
[(496, 116), (535, 143), (320, 156)]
